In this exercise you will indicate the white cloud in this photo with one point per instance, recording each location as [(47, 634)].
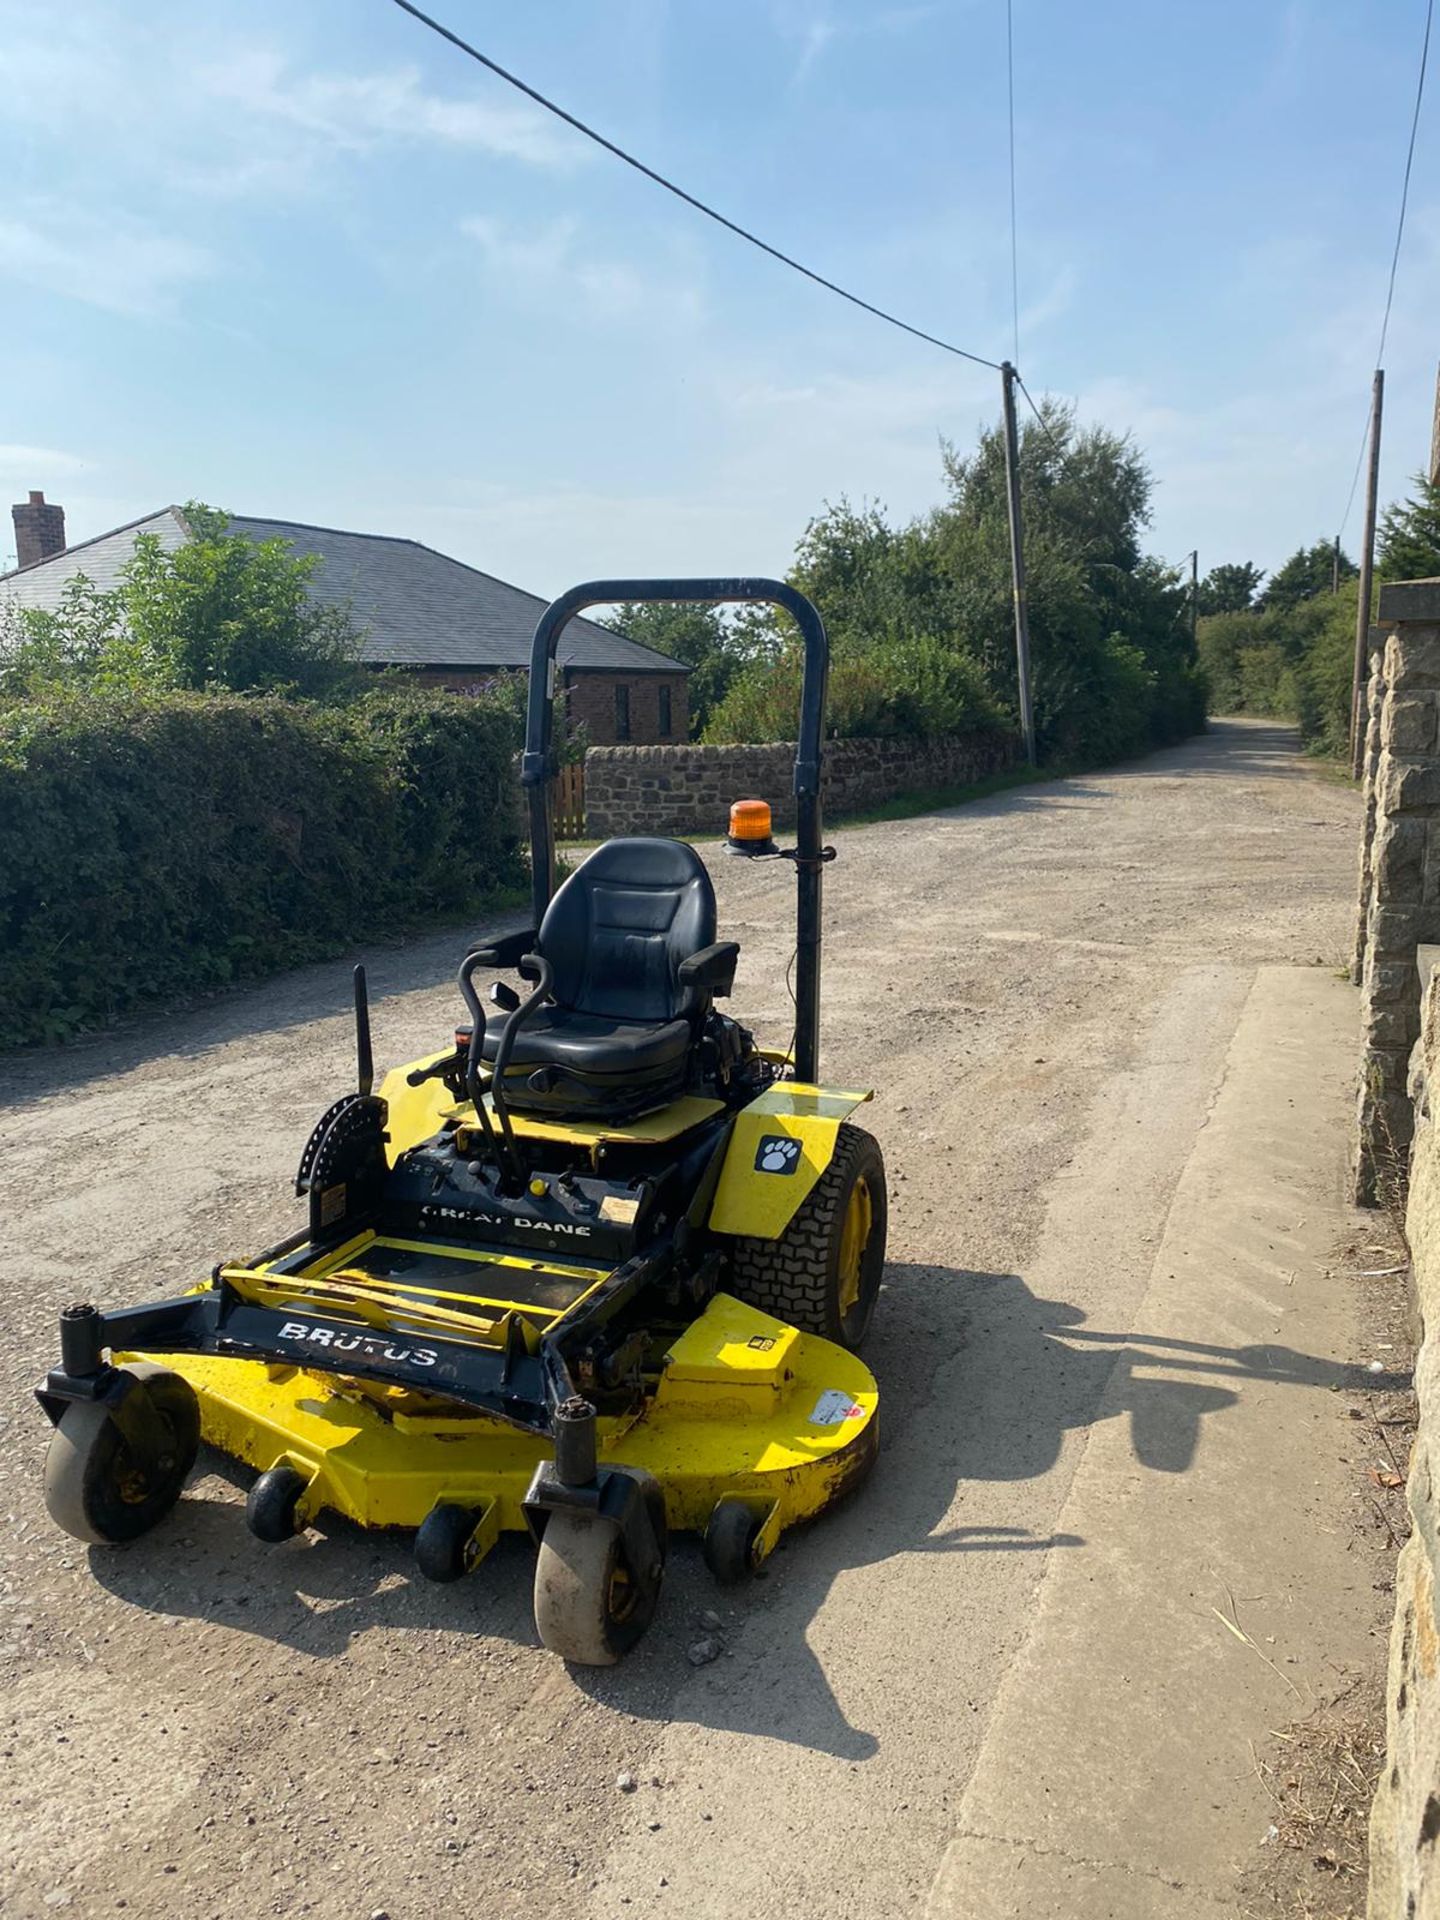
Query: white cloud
[(114, 263), (18, 459), (186, 106), (546, 541), (357, 112), (538, 261), (817, 29), (778, 447)]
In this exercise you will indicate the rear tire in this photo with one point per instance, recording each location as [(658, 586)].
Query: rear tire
[(823, 1273), (100, 1491)]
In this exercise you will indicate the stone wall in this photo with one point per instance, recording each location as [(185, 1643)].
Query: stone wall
[(687, 790), (1405, 1818), (1401, 878), (1369, 766)]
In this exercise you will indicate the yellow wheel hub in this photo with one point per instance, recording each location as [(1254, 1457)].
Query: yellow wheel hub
[(854, 1237)]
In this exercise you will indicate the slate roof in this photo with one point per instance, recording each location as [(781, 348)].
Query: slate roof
[(415, 607)]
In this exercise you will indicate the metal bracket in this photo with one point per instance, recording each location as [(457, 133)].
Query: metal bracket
[(617, 1496), (123, 1396)]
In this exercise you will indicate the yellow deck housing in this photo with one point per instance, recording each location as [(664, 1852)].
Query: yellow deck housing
[(746, 1407)]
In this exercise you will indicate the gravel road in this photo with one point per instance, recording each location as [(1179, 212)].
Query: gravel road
[(1042, 988)]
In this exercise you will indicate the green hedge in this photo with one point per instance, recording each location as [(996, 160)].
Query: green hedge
[(160, 845)]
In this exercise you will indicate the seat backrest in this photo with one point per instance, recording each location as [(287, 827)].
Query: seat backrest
[(616, 931)]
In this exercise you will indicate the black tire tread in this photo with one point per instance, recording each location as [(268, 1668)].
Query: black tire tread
[(270, 1504), (790, 1277)]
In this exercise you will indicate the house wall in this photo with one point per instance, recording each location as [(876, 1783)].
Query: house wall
[(592, 700), (593, 703)]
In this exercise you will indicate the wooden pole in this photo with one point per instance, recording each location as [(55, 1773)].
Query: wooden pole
[(1017, 560), (1367, 574), (1194, 600)]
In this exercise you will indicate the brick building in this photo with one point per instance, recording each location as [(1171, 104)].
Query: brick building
[(417, 609)]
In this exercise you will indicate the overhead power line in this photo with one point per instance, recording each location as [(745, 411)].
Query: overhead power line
[(700, 206), (1014, 232), (1399, 238), (1044, 423), (1405, 186)]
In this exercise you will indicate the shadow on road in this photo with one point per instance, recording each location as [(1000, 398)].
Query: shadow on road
[(982, 1383), (424, 963)]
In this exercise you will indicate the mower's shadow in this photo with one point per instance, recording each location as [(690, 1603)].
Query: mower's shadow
[(981, 1383), (315, 1594)]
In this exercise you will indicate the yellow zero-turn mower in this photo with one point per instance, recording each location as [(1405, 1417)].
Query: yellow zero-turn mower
[(596, 1270)]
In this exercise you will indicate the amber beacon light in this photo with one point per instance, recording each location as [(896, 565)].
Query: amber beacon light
[(750, 828)]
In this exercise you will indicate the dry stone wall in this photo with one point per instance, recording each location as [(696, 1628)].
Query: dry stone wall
[(1405, 1817), (687, 790), (1370, 764), (1401, 878)]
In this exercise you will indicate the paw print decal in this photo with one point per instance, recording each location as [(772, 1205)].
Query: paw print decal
[(777, 1153)]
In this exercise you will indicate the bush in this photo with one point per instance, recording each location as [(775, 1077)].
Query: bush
[(906, 686), (1291, 661), (164, 844), (1105, 711)]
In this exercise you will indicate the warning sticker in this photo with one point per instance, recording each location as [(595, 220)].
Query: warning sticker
[(833, 1408)]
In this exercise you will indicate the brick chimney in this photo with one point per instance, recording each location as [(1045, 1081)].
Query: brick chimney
[(39, 530)]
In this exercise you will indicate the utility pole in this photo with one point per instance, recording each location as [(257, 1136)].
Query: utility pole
[(1194, 599), (1017, 560), (1335, 567), (1367, 573)]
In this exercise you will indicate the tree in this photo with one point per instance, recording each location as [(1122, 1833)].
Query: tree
[(1113, 668), (218, 611), (1231, 588), (920, 616), (1308, 571), (1408, 540)]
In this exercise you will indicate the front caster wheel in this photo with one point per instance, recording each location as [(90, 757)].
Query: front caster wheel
[(730, 1542), (271, 1507), (591, 1605), (445, 1546), (106, 1489)]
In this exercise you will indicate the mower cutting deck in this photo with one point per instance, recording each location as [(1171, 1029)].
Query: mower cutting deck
[(594, 1271)]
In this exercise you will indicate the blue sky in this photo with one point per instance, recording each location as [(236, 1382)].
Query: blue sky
[(307, 261)]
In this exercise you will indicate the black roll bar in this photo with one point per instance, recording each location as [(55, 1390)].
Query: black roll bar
[(537, 769)]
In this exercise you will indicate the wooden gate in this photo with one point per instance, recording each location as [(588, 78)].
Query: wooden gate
[(567, 801)]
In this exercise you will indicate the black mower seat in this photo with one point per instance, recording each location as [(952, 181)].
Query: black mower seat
[(590, 1042), (626, 1013)]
